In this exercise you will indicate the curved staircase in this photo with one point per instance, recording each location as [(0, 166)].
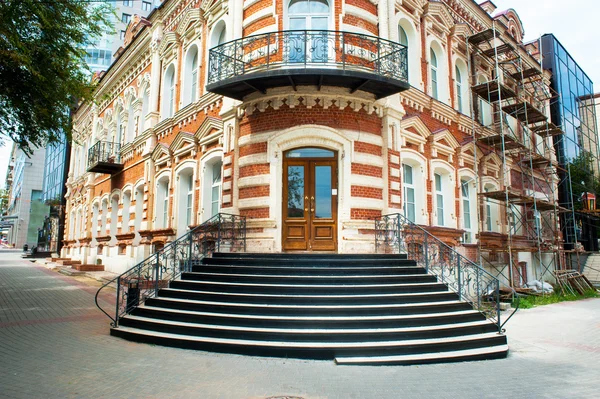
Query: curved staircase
[(356, 309)]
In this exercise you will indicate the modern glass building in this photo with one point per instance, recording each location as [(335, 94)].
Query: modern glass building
[(53, 194), (577, 152)]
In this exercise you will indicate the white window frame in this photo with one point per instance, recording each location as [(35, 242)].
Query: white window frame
[(439, 198), (459, 85), (208, 184), (433, 69), (408, 187), (126, 214), (169, 86), (161, 216)]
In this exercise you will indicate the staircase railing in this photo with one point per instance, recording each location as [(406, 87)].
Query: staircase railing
[(395, 233), (221, 233)]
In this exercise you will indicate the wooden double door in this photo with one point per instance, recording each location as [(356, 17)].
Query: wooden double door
[(310, 200)]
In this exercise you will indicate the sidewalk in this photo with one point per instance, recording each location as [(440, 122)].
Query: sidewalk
[(54, 343), (102, 277)]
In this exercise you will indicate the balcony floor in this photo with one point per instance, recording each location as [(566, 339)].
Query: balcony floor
[(106, 167), (240, 86)]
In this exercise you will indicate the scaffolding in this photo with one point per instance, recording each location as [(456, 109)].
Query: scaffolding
[(510, 113)]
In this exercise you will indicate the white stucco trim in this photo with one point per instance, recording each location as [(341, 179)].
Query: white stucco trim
[(305, 136)]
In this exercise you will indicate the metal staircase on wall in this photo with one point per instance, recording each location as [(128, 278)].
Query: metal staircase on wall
[(354, 308)]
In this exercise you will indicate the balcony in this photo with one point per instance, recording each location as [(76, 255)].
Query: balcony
[(302, 57), (105, 157)]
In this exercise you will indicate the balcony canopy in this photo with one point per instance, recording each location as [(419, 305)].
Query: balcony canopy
[(308, 57)]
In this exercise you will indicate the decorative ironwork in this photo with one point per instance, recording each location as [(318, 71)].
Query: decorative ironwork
[(104, 151), (394, 233), (303, 49), (222, 233)]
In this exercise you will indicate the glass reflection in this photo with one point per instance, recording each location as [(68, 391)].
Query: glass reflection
[(295, 191), (323, 192), (309, 153)]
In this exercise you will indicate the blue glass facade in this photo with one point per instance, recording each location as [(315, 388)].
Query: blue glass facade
[(574, 112), (56, 169)]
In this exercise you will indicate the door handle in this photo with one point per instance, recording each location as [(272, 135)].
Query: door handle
[(312, 204), (306, 201)]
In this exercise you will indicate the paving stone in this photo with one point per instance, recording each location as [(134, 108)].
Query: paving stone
[(54, 343)]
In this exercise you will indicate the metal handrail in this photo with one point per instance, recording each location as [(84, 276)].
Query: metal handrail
[(222, 232), (104, 151), (308, 49), (472, 283)]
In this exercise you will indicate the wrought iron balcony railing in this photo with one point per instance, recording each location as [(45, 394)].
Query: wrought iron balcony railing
[(307, 57), (105, 157)]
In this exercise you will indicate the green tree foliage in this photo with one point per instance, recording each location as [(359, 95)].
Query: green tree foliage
[(3, 202), (42, 65)]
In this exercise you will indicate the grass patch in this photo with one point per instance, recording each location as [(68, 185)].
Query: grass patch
[(533, 301)]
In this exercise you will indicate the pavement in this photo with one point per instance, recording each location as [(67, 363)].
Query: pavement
[(54, 343)]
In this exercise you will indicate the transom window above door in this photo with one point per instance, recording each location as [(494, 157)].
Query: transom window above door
[(310, 153)]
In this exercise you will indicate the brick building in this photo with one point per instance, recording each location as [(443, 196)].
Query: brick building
[(310, 135)]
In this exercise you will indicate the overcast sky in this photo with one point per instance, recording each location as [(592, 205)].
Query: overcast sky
[(573, 22)]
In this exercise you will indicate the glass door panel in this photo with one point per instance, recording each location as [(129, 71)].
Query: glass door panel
[(295, 193), (296, 47), (323, 196)]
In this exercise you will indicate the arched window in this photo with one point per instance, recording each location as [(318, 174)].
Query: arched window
[(308, 14), (439, 199), (222, 36), (126, 213), (409, 193), (162, 204), (444, 195), (185, 200), (104, 217), (78, 223), (190, 86), (459, 88), (491, 211), (118, 137), (485, 109), (169, 92), (467, 210), (95, 214), (139, 208), (114, 214), (145, 106), (433, 63), (72, 225), (130, 123), (409, 37), (211, 192), (402, 36)]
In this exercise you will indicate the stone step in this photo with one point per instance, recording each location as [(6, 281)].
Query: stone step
[(89, 268), (69, 262)]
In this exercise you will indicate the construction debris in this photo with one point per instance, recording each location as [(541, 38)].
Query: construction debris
[(540, 287), (573, 282)]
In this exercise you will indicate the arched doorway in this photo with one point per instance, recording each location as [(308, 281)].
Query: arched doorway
[(310, 200)]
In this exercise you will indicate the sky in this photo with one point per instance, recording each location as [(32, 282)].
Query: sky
[(573, 23)]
